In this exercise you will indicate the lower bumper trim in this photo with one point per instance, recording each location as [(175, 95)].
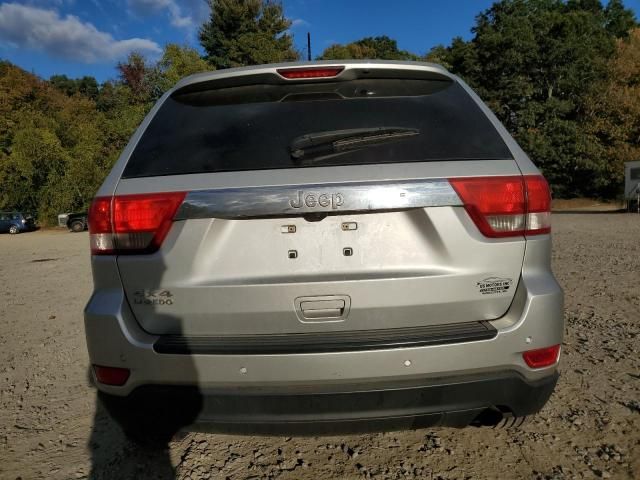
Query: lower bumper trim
[(452, 402)]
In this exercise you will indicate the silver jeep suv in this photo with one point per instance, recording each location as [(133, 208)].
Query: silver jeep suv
[(322, 247)]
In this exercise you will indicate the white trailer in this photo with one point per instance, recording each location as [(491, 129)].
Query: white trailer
[(62, 219), (632, 184)]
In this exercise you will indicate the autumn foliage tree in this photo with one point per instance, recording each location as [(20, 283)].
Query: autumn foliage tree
[(59, 138), (52, 145), (381, 47), (135, 74), (613, 113), (176, 63)]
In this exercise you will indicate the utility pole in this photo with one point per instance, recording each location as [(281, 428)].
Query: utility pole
[(308, 46)]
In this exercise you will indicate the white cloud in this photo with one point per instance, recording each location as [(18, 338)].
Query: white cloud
[(183, 14), (299, 22), (68, 37)]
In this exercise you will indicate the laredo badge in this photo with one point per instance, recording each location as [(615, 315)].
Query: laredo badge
[(494, 285), (153, 297)]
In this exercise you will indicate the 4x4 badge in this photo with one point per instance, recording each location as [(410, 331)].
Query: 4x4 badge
[(153, 297), (311, 200)]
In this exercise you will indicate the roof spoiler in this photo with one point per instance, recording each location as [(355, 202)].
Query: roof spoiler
[(320, 72)]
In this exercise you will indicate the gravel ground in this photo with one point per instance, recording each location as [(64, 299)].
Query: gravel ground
[(50, 426)]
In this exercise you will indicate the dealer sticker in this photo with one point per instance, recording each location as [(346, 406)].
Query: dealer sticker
[(493, 285)]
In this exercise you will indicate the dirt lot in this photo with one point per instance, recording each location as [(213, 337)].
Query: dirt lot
[(49, 426)]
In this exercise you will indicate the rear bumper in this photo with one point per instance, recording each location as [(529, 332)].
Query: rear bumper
[(454, 402), (376, 389), (534, 320)]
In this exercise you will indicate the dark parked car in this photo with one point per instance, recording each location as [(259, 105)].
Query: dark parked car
[(16, 222), (77, 222)]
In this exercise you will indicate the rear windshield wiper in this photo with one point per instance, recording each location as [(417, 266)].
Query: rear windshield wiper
[(317, 146)]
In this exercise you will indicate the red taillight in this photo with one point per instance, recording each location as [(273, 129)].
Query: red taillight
[(506, 206), (100, 226), (538, 205), (309, 72), (495, 204), (128, 224), (111, 375), (542, 357)]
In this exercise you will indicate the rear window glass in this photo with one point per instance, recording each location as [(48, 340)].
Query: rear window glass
[(255, 127)]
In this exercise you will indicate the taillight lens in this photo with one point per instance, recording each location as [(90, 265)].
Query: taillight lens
[(495, 204), (538, 204), (100, 226), (131, 224), (542, 357), (309, 72), (506, 206)]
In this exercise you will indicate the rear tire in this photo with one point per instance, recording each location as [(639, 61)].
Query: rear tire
[(77, 226), (14, 230)]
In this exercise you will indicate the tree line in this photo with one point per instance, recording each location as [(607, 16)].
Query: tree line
[(563, 77)]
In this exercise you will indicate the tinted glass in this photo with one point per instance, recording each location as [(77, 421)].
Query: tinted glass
[(252, 127)]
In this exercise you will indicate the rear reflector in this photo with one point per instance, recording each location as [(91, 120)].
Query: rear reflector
[(542, 357), (313, 72), (506, 206), (111, 375), (131, 224)]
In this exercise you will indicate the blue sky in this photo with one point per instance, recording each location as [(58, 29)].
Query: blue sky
[(88, 37)]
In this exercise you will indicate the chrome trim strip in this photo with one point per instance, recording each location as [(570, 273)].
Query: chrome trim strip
[(316, 198)]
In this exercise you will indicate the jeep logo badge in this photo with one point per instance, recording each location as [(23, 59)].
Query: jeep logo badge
[(312, 200)]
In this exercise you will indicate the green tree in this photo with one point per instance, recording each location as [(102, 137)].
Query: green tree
[(59, 139), (346, 52), (176, 63), (36, 156), (619, 20), (86, 85), (56, 149), (536, 63), (64, 84), (246, 32), (459, 57), (381, 47)]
